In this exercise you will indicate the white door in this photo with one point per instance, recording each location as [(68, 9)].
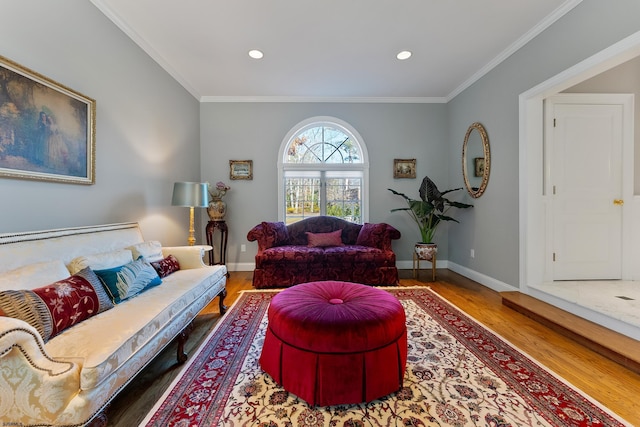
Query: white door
[(586, 185)]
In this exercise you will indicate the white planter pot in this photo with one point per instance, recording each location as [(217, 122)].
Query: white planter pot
[(426, 251)]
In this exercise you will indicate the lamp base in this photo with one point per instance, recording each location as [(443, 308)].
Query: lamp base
[(192, 231)]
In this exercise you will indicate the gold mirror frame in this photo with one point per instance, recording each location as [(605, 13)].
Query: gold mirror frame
[(482, 165)]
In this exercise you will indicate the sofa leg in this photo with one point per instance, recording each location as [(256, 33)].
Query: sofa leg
[(222, 295), (182, 339)]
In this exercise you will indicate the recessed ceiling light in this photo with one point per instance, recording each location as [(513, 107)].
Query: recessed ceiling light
[(256, 54), (405, 54)]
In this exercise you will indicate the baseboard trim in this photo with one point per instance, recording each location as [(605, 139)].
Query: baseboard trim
[(241, 266), (487, 281)]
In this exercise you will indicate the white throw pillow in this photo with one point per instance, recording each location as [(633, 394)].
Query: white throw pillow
[(34, 275), (101, 261), (151, 250)]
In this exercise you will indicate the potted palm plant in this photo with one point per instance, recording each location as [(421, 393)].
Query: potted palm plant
[(428, 213)]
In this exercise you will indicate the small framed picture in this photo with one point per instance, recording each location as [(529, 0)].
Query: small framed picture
[(404, 168), (241, 169), (479, 166)]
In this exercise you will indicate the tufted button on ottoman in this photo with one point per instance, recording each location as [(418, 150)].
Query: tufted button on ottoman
[(333, 343)]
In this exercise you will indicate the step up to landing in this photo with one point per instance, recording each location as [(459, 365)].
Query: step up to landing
[(613, 345)]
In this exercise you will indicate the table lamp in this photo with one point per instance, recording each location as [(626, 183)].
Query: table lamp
[(191, 195)]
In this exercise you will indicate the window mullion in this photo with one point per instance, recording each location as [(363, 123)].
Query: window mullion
[(323, 193)]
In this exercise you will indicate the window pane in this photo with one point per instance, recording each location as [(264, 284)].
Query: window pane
[(344, 198), (302, 198), (323, 144)]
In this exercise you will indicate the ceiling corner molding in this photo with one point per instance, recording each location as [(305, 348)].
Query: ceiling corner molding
[(144, 45), (318, 99), (550, 19)]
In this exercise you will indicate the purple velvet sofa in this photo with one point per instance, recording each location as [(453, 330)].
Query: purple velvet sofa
[(323, 248)]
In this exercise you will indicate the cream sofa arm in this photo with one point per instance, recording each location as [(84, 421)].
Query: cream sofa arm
[(188, 256), (34, 388)]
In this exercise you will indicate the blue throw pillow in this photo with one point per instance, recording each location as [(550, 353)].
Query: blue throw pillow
[(128, 280)]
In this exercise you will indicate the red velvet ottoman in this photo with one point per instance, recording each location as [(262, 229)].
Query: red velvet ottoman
[(333, 343)]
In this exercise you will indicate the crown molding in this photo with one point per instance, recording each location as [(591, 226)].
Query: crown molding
[(550, 19), (317, 99)]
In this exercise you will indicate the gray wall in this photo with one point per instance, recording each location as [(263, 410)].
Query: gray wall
[(255, 131), (147, 124), (491, 228)]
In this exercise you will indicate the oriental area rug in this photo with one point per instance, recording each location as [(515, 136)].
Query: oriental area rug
[(458, 374)]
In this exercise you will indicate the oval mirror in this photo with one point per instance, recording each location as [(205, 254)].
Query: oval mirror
[(476, 160)]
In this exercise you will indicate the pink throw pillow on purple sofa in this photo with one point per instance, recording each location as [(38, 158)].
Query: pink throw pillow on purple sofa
[(321, 240)]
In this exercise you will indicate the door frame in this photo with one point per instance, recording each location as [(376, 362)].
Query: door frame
[(627, 172), (532, 199)]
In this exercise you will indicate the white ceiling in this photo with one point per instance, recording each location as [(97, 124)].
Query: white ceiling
[(331, 49)]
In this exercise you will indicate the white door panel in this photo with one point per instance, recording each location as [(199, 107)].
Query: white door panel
[(586, 174)]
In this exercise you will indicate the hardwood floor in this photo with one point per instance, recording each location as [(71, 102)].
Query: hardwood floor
[(620, 348), (609, 383)]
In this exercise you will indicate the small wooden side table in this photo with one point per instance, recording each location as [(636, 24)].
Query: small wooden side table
[(416, 266), (221, 226)]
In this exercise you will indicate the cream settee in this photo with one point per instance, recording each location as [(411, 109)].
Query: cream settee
[(69, 379)]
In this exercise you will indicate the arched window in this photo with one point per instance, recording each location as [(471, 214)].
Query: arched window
[(323, 170)]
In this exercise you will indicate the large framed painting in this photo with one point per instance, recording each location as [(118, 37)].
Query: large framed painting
[(47, 131)]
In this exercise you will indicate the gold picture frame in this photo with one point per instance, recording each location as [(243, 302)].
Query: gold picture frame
[(241, 169), (47, 131), (404, 168)]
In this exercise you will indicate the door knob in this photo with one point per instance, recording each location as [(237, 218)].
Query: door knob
[(618, 202)]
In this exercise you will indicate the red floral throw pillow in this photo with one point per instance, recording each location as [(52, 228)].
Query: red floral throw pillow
[(372, 235), (325, 239), (58, 306), (166, 266)]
